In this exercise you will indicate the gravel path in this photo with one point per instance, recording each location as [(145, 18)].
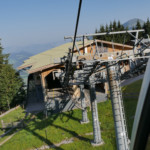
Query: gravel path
[(71, 140), (55, 145), (9, 138), (131, 80)]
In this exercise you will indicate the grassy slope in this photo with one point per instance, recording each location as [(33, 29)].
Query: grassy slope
[(15, 115), (64, 126), (131, 93)]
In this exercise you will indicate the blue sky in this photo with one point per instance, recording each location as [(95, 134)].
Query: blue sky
[(29, 22)]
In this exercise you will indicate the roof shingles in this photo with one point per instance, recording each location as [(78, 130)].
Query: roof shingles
[(47, 57)]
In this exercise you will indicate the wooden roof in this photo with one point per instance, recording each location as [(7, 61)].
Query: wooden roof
[(45, 59)]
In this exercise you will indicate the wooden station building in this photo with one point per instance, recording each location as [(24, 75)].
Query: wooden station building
[(42, 82)]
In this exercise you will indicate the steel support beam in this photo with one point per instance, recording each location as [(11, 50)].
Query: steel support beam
[(117, 107), (96, 124), (105, 33), (83, 105), (140, 130)]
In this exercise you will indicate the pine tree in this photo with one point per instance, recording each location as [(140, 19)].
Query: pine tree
[(147, 27), (114, 26), (3, 57), (10, 82), (102, 29), (107, 37), (119, 25), (96, 31), (138, 25), (106, 28), (111, 27)]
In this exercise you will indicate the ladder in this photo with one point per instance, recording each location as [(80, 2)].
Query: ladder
[(118, 108)]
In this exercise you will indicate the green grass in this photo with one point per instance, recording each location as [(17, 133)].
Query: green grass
[(133, 87), (61, 126), (15, 115), (64, 126), (130, 103)]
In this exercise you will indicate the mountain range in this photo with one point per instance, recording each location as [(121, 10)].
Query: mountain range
[(20, 54), (132, 23)]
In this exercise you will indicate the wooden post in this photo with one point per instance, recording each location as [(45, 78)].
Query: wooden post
[(106, 87), (8, 104), (3, 126)]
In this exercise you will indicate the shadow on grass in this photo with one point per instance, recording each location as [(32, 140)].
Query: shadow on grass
[(70, 116), (48, 142), (43, 123), (72, 133)]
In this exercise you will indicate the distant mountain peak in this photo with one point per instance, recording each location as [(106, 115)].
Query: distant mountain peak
[(132, 23)]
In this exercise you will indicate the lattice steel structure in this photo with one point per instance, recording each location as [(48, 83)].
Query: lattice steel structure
[(97, 70)]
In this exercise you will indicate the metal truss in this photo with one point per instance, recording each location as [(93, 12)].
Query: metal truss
[(97, 70)]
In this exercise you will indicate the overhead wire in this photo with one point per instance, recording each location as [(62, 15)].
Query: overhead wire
[(74, 40), (76, 28)]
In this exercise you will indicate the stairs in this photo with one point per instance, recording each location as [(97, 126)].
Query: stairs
[(59, 100)]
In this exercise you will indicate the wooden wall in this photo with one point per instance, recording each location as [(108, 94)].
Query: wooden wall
[(108, 46)]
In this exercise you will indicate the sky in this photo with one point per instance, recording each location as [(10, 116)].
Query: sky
[(24, 23)]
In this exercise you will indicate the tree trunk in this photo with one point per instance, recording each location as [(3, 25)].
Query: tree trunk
[(8, 104)]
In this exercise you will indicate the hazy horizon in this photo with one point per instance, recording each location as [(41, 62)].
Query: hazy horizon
[(35, 22)]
